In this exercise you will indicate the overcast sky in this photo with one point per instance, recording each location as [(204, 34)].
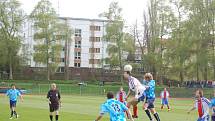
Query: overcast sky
[(132, 9)]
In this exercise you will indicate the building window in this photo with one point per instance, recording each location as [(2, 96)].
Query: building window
[(94, 50), (78, 44), (62, 60), (60, 70), (77, 55), (95, 39), (95, 28), (77, 64), (94, 61), (77, 32)]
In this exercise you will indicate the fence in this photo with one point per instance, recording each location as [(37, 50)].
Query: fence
[(37, 88)]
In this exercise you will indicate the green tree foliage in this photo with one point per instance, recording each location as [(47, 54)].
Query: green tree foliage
[(11, 18), (47, 36), (180, 39), (119, 41)]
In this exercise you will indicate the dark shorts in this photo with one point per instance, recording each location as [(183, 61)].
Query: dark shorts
[(53, 107), (142, 97), (12, 103), (150, 102), (212, 118)]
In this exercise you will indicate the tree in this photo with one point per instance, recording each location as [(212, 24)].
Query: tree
[(47, 36), (11, 18), (114, 33), (66, 35), (118, 40)]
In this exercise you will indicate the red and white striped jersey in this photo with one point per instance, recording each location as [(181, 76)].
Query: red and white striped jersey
[(164, 94), (202, 105)]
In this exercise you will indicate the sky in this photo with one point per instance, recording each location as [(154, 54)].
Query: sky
[(132, 9)]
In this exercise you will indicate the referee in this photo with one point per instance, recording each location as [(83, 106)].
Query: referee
[(53, 97)]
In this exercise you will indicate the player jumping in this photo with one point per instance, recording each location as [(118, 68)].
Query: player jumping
[(150, 97), (165, 99), (53, 97), (202, 105), (13, 94), (115, 108), (135, 86)]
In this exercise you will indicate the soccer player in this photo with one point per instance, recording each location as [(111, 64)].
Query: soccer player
[(121, 96), (202, 105), (212, 105), (13, 94), (135, 86), (115, 108), (165, 99), (150, 97), (53, 97)]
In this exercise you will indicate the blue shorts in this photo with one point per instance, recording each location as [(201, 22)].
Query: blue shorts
[(165, 101), (212, 118), (206, 118), (142, 97), (12, 103), (150, 102)]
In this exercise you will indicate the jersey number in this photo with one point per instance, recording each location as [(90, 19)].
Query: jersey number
[(116, 107)]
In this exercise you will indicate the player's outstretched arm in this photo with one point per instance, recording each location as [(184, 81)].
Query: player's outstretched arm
[(193, 108), (21, 98), (136, 93), (99, 117), (129, 93)]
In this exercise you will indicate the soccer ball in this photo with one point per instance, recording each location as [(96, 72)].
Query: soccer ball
[(128, 68)]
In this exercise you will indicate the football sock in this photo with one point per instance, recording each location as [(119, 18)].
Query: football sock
[(135, 110), (51, 117), (148, 114), (14, 112), (56, 117), (11, 114), (162, 107), (156, 117), (168, 107)]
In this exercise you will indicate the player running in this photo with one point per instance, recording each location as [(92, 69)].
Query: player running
[(135, 86), (212, 105), (115, 108), (13, 94), (53, 97), (165, 99), (150, 97), (202, 105)]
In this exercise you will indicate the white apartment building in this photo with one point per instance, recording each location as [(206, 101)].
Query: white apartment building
[(88, 47)]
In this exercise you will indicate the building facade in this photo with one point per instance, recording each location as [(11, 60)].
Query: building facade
[(86, 50)]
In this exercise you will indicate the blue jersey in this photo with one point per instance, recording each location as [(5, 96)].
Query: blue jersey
[(13, 94), (212, 104), (115, 109), (150, 92)]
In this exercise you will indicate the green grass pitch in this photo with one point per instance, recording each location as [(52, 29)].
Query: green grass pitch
[(86, 108)]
